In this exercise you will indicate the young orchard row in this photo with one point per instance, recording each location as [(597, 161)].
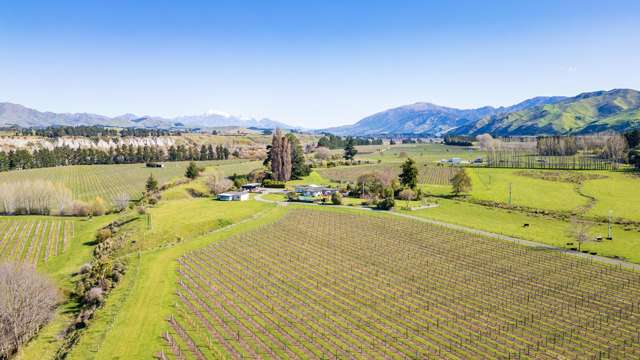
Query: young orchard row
[(320, 284), (107, 181), (34, 240)]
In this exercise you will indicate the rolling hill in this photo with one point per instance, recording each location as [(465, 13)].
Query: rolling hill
[(21, 116), (429, 119), (614, 110)]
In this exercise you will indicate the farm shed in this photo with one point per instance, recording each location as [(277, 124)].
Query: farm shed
[(251, 187), (233, 196), (155, 165)]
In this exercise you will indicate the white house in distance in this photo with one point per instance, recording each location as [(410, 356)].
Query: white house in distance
[(314, 190), (233, 196)]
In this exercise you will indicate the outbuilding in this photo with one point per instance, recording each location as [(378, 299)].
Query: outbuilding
[(251, 187), (233, 196)]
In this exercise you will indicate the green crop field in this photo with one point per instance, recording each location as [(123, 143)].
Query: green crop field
[(421, 153), (427, 173), (110, 181), (494, 184), (617, 192), (34, 239), (320, 284)]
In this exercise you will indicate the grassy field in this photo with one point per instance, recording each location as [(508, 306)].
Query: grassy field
[(493, 184), (109, 181), (177, 224), (617, 193), (542, 229), (363, 286), (421, 153)]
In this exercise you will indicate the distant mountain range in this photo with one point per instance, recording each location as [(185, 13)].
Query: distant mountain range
[(598, 111), (616, 110), (18, 115)]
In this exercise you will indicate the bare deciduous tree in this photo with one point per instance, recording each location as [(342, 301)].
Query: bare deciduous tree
[(322, 153), (121, 201), (579, 231), (616, 148), (35, 197), (217, 184), (27, 302)]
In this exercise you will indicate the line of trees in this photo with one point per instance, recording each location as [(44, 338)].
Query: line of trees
[(91, 131), (338, 142), (285, 157), (125, 154), (458, 140), (42, 197)]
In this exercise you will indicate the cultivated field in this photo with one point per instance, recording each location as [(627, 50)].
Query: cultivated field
[(34, 240), (110, 181), (321, 284), (427, 173)]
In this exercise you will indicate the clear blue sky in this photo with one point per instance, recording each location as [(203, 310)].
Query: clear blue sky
[(309, 63)]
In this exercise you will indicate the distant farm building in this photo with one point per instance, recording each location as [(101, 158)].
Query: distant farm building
[(453, 161), (251, 187), (233, 196), (310, 192), (155, 165)]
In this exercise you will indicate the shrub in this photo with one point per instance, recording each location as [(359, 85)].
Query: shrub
[(322, 153), (103, 234), (81, 208), (94, 296), (98, 206), (461, 182), (85, 268), (192, 171), (257, 175), (152, 184), (194, 193), (386, 204), (336, 198), (407, 194), (27, 302), (268, 183), (292, 196), (216, 184)]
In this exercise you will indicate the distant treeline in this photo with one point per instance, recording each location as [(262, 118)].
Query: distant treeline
[(458, 140), (91, 131), (523, 160), (125, 154), (338, 142)]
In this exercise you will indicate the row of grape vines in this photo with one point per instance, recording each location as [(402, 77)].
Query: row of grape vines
[(319, 284), (108, 181), (34, 240)]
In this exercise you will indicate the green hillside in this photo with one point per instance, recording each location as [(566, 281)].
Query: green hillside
[(617, 109)]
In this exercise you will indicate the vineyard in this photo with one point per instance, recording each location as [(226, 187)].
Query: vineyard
[(108, 181), (427, 173), (34, 240), (318, 284)]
